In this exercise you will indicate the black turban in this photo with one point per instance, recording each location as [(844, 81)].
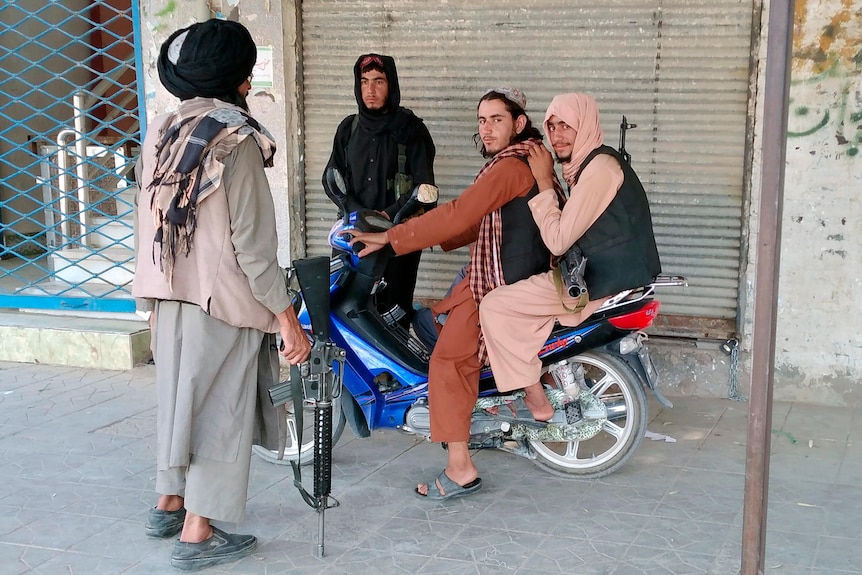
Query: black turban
[(215, 58)]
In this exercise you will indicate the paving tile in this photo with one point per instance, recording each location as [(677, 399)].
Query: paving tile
[(570, 555), (439, 566), (850, 472), (639, 474), (635, 499), (706, 507), (786, 569), (158, 563), (692, 412), (843, 511), (609, 526), (805, 467), (801, 516), (653, 453), (38, 495), (674, 508), (839, 553), (68, 562), (359, 507), (410, 536), (697, 482), (285, 556), (110, 502), (380, 562), (18, 559), (57, 530), (493, 548), (649, 561), (695, 537), (13, 517), (720, 453), (818, 421), (729, 559), (784, 548)]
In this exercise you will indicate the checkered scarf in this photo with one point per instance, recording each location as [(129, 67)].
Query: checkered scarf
[(192, 145), (486, 268)]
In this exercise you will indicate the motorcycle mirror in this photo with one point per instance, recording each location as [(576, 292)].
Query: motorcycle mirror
[(421, 197), (333, 180), (426, 193)]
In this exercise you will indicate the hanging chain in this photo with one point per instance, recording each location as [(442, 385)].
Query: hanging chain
[(731, 348)]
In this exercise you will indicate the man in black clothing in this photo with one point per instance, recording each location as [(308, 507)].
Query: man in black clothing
[(383, 152)]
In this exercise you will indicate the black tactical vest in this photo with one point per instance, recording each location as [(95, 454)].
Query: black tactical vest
[(523, 253), (620, 245)]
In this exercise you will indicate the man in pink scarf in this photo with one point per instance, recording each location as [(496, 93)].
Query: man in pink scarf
[(607, 215)]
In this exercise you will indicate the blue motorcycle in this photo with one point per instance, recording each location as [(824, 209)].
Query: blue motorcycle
[(595, 374)]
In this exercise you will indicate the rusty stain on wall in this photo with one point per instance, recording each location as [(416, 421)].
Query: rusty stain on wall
[(838, 41), (826, 91)]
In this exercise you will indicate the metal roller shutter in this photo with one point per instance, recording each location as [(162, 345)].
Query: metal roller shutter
[(678, 69)]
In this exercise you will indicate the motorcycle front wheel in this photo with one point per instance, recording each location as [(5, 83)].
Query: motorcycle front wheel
[(616, 385), (305, 452)]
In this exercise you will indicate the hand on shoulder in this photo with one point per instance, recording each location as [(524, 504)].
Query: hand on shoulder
[(542, 165)]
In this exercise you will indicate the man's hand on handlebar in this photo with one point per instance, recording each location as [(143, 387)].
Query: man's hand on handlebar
[(373, 241)]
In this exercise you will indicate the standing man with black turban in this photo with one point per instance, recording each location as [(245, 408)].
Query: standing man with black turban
[(206, 264), (383, 152)]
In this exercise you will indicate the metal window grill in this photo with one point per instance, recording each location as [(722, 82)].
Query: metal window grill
[(70, 106)]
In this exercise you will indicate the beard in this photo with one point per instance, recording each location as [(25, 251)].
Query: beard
[(562, 159)]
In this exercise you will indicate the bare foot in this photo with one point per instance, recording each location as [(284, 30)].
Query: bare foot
[(538, 403)]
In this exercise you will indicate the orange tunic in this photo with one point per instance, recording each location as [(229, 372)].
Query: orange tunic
[(453, 372)]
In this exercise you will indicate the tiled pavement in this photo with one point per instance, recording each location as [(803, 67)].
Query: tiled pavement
[(77, 477)]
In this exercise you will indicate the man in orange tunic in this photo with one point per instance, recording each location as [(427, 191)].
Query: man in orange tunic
[(492, 215)]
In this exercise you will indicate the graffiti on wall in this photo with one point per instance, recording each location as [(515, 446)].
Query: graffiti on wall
[(826, 81)]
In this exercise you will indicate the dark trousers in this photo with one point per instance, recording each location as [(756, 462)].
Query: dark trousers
[(400, 276)]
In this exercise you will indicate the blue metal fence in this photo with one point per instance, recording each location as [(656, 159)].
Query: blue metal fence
[(70, 106)]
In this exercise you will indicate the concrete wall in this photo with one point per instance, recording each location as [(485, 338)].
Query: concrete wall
[(818, 348), (271, 106)]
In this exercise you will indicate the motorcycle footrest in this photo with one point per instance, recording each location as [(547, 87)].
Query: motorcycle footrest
[(574, 414)]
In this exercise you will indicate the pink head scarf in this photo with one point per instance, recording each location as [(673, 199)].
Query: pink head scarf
[(581, 113)]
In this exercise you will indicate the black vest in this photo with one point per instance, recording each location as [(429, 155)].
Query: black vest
[(522, 253), (620, 245)]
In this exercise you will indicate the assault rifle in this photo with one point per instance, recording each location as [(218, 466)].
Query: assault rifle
[(314, 386)]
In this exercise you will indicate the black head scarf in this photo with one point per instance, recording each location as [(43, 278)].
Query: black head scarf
[(390, 116), (208, 59)]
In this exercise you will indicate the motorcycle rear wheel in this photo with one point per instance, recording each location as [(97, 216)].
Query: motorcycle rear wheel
[(305, 453), (614, 382)]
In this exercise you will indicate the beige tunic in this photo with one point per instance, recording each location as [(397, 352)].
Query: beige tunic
[(208, 371), (517, 319)]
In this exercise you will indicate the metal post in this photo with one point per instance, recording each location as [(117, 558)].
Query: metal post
[(776, 95), (80, 104)]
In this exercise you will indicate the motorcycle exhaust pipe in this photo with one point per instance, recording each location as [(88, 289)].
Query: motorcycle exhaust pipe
[(616, 409)]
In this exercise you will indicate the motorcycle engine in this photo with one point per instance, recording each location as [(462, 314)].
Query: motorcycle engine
[(418, 418)]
